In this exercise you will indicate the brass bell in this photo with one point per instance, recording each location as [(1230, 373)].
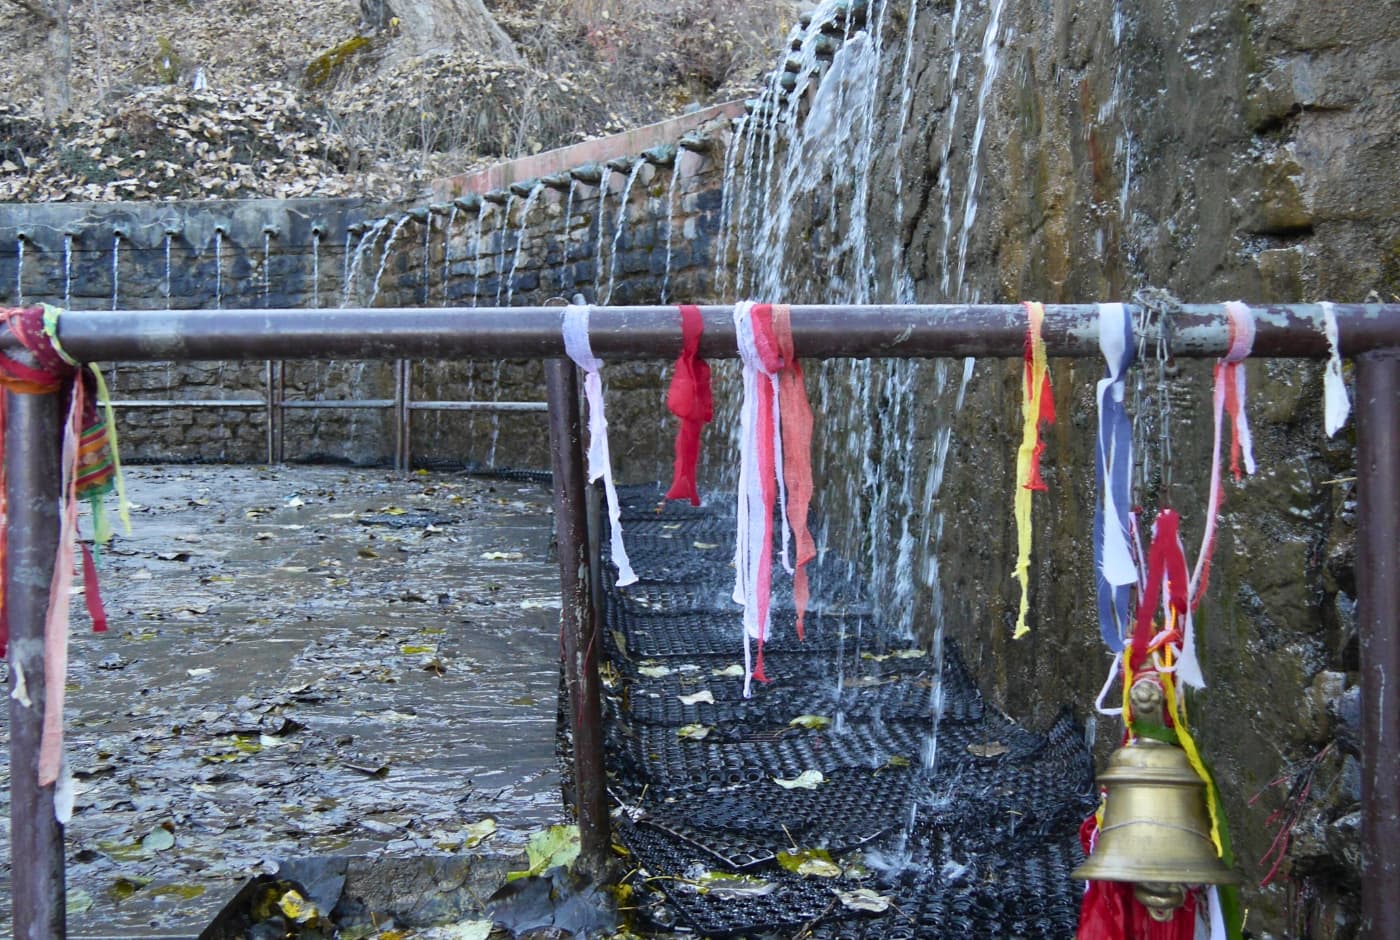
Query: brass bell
[(1156, 828)]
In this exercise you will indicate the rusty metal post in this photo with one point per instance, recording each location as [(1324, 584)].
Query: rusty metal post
[(32, 443), (1378, 599), (579, 617)]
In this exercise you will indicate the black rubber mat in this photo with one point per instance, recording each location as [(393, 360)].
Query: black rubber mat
[(972, 833)]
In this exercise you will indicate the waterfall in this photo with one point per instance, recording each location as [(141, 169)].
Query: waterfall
[(621, 225), (19, 271), (166, 288), (476, 251), (447, 255), (991, 63), (503, 236), (567, 236), (68, 270), (116, 266), (315, 268), (598, 236), (352, 267), (266, 265), (671, 191), (384, 257), (520, 238)]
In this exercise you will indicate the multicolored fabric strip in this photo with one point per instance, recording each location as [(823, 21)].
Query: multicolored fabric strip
[(1037, 408), (691, 399), (1115, 567), (90, 468), (576, 344), (760, 485)]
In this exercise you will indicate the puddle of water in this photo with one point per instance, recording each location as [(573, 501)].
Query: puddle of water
[(282, 679)]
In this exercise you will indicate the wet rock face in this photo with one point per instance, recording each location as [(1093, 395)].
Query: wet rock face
[(1238, 151)]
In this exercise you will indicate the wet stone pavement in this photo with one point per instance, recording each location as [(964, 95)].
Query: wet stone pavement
[(304, 662)]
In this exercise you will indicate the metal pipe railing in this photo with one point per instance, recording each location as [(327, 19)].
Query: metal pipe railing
[(1202, 330), (1369, 332)]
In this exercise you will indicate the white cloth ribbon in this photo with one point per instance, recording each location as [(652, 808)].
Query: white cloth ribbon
[(748, 541), (1336, 404), (599, 459)]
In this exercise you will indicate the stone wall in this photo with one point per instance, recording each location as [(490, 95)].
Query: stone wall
[(1077, 150), (577, 237)]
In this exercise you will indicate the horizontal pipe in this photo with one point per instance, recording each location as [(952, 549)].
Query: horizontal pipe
[(186, 403), (512, 406), (909, 331), (304, 404), (340, 403)]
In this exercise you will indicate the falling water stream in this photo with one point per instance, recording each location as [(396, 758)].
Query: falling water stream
[(671, 191), (315, 268), (19, 271), (68, 271), (384, 257), (503, 237), (621, 226), (799, 176), (602, 213), (520, 238)]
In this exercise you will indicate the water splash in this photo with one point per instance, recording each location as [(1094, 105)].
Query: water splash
[(520, 238), (620, 226), (602, 213)]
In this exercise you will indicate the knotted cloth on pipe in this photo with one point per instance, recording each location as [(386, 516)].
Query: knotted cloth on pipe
[(760, 481), (1115, 569), (690, 398), (91, 468), (599, 458), (1037, 407)]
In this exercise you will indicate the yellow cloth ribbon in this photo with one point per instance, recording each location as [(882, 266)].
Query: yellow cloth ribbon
[(1025, 456)]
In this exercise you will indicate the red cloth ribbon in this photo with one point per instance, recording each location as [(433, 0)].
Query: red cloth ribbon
[(1110, 912), (797, 458), (1047, 409), (691, 399), (1165, 563)]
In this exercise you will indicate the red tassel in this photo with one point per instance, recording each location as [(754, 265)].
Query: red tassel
[(92, 594)]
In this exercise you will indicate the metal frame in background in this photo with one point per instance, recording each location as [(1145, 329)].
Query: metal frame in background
[(1369, 334), (275, 404)]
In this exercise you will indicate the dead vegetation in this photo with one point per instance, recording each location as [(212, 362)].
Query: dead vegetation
[(190, 99)]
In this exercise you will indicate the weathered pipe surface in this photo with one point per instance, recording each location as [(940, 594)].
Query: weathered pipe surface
[(1378, 517), (821, 331), (32, 436), (579, 626)]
